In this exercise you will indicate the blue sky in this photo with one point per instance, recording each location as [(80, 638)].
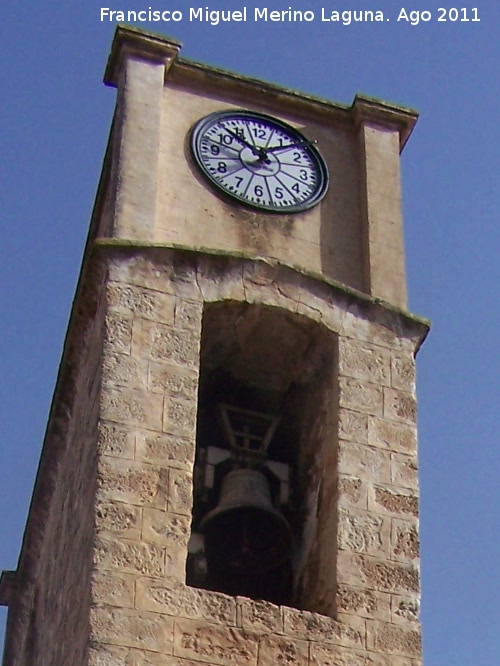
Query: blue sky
[(55, 115)]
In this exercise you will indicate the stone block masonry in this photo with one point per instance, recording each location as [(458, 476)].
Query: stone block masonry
[(142, 610)]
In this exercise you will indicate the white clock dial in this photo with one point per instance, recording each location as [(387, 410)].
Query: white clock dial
[(259, 161)]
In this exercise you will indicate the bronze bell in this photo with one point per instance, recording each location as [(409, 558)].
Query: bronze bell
[(245, 533)]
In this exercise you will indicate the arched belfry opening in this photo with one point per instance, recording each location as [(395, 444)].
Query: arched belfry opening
[(265, 458)]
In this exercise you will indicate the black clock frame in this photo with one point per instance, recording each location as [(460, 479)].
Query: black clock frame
[(319, 165)]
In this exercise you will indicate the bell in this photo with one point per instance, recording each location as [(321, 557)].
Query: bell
[(245, 533)]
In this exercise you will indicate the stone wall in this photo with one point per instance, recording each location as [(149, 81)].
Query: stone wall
[(48, 622), (142, 610)]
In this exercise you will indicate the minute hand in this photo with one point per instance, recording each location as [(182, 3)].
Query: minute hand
[(296, 144)]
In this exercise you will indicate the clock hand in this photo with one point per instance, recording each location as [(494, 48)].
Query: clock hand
[(296, 144), (256, 151)]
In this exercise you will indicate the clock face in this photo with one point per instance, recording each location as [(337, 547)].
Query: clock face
[(259, 161)]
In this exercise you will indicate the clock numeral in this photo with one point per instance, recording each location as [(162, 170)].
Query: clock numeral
[(214, 149), (225, 139), (240, 180), (297, 157), (259, 133), (258, 191), (278, 193), (303, 174), (296, 188), (222, 167)]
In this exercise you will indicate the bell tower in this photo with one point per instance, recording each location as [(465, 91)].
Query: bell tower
[(229, 474)]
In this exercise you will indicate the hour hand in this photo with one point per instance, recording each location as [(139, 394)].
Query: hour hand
[(242, 140)]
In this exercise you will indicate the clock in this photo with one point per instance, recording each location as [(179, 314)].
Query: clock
[(259, 161)]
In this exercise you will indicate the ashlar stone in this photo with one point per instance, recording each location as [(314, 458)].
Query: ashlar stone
[(363, 532), (332, 655), (118, 517), (129, 557), (360, 396), (131, 628), (404, 471), (394, 639), (312, 626), (377, 574), (402, 372), (165, 528), (112, 589), (400, 406), (388, 500), (132, 482), (353, 426), (364, 361), (282, 651), (364, 462), (165, 449), (405, 540), (186, 602), (118, 333), (115, 440), (180, 495), (352, 492), (132, 407), (259, 616), (215, 644), (390, 435), (144, 303)]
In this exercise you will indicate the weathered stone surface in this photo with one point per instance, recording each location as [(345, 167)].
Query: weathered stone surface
[(145, 303), (364, 603), (364, 361), (124, 370), (400, 406), (180, 492), (363, 532), (129, 557), (132, 407), (118, 333), (132, 482), (405, 609), (352, 492), (405, 540), (188, 314), (361, 396), (214, 644), (364, 462), (393, 436), (404, 471), (388, 501), (179, 417), (173, 380), (115, 440), (370, 573), (332, 655), (165, 528), (113, 589), (162, 343), (185, 602), (125, 627), (124, 519), (282, 651), (107, 655), (165, 450), (353, 426), (402, 372), (259, 616), (312, 626), (393, 639)]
